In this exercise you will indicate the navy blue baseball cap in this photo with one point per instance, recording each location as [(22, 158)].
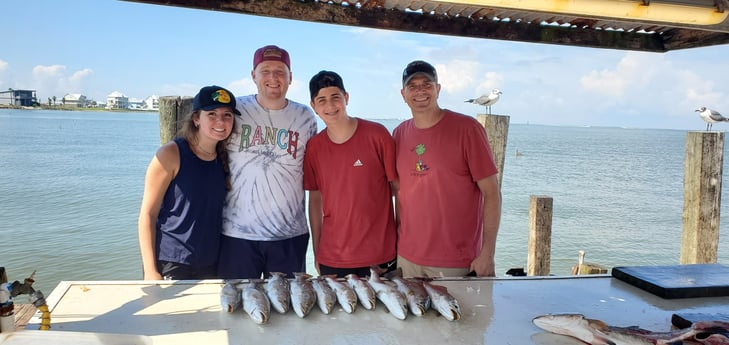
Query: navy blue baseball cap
[(419, 67), (325, 79), (213, 97)]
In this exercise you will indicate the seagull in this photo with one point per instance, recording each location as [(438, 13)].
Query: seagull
[(710, 116), (487, 100)]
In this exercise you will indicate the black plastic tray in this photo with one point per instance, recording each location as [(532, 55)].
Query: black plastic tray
[(678, 281)]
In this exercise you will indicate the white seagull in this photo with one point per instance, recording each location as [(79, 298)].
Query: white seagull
[(487, 100), (711, 116)]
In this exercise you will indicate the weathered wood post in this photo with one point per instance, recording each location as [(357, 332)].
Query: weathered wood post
[(540, 235), (172, 110), (497, 129), (702, 197)]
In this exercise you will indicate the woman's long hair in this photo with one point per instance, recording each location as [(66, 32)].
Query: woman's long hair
[(190, 133)]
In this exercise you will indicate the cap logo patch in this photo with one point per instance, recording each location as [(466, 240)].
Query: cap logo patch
[(221, 96), (275, 53)]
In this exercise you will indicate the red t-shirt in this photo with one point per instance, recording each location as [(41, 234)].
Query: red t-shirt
[(441, 206), (354, 181)]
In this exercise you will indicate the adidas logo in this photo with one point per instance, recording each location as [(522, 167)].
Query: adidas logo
[(358, 163)]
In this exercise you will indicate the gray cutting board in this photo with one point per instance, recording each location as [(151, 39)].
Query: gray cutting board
[(678, 281)]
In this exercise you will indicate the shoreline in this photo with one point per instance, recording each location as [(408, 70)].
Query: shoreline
[(73, 108)]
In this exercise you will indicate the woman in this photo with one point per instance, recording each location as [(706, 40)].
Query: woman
[(180, 219)]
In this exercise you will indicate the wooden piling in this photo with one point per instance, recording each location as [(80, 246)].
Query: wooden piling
[(702, 197), (497, 128), (540, 235), (23, 313), (172, 110)]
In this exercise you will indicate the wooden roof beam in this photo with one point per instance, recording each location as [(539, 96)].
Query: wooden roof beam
[(381, 18)]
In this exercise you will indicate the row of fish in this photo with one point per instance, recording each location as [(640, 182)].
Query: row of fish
[(399, 295), (597, 332)]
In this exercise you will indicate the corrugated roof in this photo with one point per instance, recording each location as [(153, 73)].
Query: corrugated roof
[(644, 25)]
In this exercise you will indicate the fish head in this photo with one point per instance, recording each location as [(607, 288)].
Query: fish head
[(449, 309), (575, 325)]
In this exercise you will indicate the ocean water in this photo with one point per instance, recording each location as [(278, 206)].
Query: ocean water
[(71, 184)]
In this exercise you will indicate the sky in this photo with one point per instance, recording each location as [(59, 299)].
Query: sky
[(96, 47)]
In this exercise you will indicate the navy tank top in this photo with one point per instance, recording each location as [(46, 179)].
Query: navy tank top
[(190, 219)]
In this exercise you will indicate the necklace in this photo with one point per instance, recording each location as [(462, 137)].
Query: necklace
[(205, 152)]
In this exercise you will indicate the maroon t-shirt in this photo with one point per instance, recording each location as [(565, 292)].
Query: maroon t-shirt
[(354, 177), (441, 206)]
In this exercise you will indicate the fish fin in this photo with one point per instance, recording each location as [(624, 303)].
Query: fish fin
[(377, 269), (599, 329), (598, 324), (302, 274), (440, 288), (394, 273)]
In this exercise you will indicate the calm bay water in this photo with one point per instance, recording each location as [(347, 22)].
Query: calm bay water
[(71, 184)]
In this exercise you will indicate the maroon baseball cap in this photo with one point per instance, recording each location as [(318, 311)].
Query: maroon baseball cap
[(271, 53)]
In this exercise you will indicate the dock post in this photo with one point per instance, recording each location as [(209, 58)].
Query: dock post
[(702, 197), (540, 235), (497, 128), (172, 110)]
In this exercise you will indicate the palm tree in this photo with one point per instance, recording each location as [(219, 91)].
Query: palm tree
[(420, 150)]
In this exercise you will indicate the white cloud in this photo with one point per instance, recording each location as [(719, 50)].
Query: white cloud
[(633, 71), (606, 82), (53, 81), (3, 66), (78, 76), (243, 87), (457, 75), (492, 80), (44, 72), (697, 91), (298, 90)]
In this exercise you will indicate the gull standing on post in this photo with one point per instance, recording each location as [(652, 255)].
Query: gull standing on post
[(711, 116), (487, 100)]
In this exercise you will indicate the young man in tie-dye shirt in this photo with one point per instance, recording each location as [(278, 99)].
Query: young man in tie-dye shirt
[(264, 219)]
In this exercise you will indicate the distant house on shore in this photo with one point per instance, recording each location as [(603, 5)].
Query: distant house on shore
[(151, 103), (135, 103), (117, 100), (75, 100), (20, 98)]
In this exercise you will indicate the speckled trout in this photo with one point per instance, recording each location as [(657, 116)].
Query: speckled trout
[(394, 301), (598, 332), (325, 296), (303, 296), (230, 297), (345, 295), (277, 290), (255, 302), (418, 299), (442, 301), (365, 293)]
